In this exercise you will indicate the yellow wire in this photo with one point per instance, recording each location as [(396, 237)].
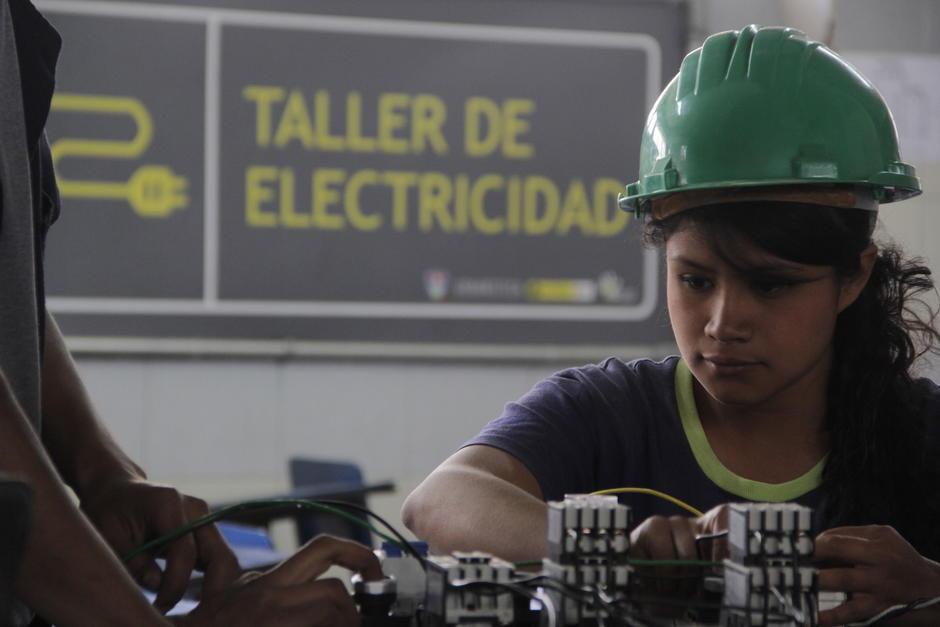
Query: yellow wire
[(653, 492)]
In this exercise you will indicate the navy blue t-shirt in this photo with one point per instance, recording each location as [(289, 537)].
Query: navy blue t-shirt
[(635, 424)]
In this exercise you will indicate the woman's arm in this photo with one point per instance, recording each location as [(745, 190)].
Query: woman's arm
[(480, 498)]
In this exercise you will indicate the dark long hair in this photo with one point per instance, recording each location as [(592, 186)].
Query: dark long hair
[(879, 469)]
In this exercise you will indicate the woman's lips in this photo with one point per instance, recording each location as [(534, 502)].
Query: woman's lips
[(723, 365)]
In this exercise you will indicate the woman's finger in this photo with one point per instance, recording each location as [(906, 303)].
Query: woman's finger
[(852, 580), (836, 548), (652, 539), (683, 537), (859, 607), (713, 522)]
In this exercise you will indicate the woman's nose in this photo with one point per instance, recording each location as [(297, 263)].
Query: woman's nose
[(731, 316)]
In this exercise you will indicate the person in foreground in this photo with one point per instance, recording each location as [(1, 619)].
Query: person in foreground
[(762, 168), (50, 435)]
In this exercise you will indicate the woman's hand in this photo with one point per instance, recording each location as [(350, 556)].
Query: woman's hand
[(129, 511), (662, 538), (674, 538), (878, 569), (290, 595)]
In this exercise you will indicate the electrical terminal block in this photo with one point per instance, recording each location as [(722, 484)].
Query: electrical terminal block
[(448, 604), (775, 531), (769, 577), (588, 546), (586, 525), (409, 576), (769, 595), (594, 573)]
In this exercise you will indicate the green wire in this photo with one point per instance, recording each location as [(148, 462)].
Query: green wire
[(208, 519), (673, 563), (639, 562)]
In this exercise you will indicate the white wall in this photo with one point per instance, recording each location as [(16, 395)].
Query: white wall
[(224, 429)]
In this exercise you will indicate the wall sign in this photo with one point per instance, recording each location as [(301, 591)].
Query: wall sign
[(260, 175)]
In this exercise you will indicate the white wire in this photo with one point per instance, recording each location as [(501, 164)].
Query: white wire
[(788, 608), (547, 604), (877, 617)]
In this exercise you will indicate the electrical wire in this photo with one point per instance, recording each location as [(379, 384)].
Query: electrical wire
[(567, 590), (788, 607), (527, 563), (642, 562), (691, 604), (896, 611), (651, 492), (711, 536), (512, 586), (403, 542), (592, 595), (261, 505), (707, 537)]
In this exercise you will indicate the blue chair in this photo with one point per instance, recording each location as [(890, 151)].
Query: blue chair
[(313, 473)]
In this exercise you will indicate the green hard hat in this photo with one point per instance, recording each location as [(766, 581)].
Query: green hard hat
[(767, 107)]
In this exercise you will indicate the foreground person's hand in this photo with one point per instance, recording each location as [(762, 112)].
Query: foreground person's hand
[(290, 595), (129, 511)]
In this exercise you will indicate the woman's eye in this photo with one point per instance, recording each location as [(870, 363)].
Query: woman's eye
[(695, 282), (768, 288)]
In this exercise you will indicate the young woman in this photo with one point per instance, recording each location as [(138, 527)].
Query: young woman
[(763, 165)]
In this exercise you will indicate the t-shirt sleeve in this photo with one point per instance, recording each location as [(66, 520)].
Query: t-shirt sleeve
[(552, 431)]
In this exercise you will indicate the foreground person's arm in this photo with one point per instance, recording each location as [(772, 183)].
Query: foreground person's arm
[(70, 577), (115, 494), (480, 498), (67, 573)]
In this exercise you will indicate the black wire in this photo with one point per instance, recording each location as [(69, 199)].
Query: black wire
[(567, 590), (711, 536), (705, 605), (813, 609), (511, 586), (667, 577), (406, 545), (572, 592), (617, 607), (588, 595), (703, 537)]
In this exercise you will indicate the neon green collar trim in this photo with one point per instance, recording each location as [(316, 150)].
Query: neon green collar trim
[(716, 471)]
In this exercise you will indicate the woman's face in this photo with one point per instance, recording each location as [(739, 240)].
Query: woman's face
[(755, 333)]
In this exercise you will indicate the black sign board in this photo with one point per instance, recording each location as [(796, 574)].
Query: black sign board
[(271, 174)]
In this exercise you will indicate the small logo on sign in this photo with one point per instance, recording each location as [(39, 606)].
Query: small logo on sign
[(436, 284), (610, 286)]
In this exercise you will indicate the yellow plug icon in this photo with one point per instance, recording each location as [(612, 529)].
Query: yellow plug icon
[(153, 191)]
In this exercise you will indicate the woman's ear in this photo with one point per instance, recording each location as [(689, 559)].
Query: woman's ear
[(852, 286)]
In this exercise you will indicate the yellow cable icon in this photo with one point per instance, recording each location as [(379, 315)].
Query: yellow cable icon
[(153, 191)]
